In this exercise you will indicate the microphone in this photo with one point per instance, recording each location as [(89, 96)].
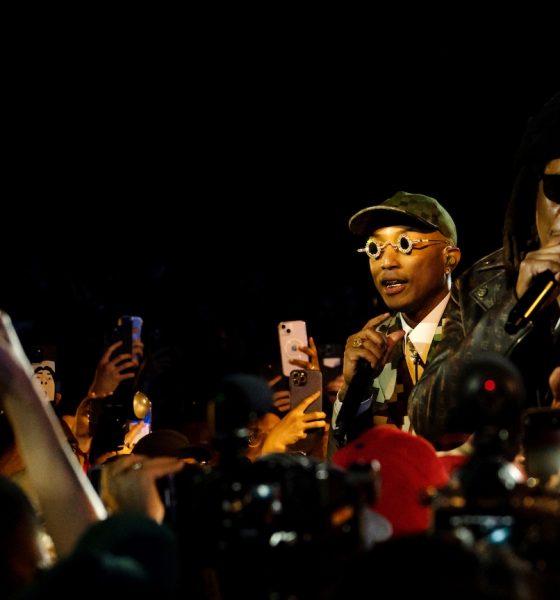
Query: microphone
[(360, 388), (532, 301)]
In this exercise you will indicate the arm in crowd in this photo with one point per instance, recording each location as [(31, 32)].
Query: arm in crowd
[(69, 502)]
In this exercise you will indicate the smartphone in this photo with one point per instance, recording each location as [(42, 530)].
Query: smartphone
[(541, 442), (43, 361), (303, 383), (127, 331), (292, 335)]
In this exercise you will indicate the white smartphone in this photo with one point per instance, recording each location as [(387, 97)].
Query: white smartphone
[(292, 335)]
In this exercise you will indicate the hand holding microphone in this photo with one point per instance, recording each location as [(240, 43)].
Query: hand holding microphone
[(531, 302)]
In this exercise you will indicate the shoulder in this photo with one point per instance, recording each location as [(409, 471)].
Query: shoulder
[(486, 266), (485, 280)]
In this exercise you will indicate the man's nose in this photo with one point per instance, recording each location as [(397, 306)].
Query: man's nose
[(390, 257)]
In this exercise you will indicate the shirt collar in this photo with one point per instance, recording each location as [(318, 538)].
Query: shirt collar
[(422, 335)]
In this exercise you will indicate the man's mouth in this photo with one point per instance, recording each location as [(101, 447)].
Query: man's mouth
[(389, 283), (393, 286)]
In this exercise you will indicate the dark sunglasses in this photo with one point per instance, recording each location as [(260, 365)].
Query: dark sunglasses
[(551, 187)]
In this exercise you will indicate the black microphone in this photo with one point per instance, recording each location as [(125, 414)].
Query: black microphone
[(532, 301), (359, 389)]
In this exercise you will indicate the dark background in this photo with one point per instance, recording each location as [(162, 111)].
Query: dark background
[(211, 193)]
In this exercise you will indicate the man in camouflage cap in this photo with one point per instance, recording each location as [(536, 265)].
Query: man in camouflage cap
[(412, 249)]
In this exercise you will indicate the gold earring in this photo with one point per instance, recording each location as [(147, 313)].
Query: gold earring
[(450, 260)]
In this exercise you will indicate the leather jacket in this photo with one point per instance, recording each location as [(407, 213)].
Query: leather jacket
[(481, 300)]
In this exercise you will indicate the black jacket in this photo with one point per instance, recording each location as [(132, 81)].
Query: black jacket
[(480, 303)]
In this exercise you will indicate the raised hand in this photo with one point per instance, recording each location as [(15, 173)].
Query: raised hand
[(311, 351), (370, 345), (128, 484), (111, 371), (293, 426)]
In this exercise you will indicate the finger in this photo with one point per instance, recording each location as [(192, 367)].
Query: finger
[(123, 376), (308, 401), (121, 358), (163, 466), (134, 429), (317, 415), (272, 382), (373, 323), (138, 347), (107, 354), (318, 424), (314, 354), (126, 364), (305, 349), (312, 345), (303, 364), (372, 354)]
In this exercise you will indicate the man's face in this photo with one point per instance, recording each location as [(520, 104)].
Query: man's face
[(548, 212), (413, 283)]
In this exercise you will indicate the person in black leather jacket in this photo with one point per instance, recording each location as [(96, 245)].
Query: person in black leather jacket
[(483, 297)]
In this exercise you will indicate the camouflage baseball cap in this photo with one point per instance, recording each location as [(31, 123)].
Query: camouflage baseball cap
[(414, 210)]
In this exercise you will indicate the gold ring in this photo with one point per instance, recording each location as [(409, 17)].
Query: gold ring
[(136, 466), (357, 343)]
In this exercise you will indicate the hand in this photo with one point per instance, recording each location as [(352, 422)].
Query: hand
[(321, 448), (546, 258), (128, 484), (281, 398), (370, 345), (110, 371), (131, 437), (311, 351), (294, 426)]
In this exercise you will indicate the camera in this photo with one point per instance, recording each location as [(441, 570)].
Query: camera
[(282, 509)]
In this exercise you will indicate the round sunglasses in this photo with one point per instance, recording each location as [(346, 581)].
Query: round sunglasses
[(404, 244)]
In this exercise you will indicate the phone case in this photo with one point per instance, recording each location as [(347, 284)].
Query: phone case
[(292, 334), (303, 383), (43, 359)]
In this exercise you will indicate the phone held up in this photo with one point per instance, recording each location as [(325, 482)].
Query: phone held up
[(303, 383), (127, 331), (43, 360), (292, 335)]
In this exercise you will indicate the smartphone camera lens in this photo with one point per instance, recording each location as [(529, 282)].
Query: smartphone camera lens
[(299, 377)]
